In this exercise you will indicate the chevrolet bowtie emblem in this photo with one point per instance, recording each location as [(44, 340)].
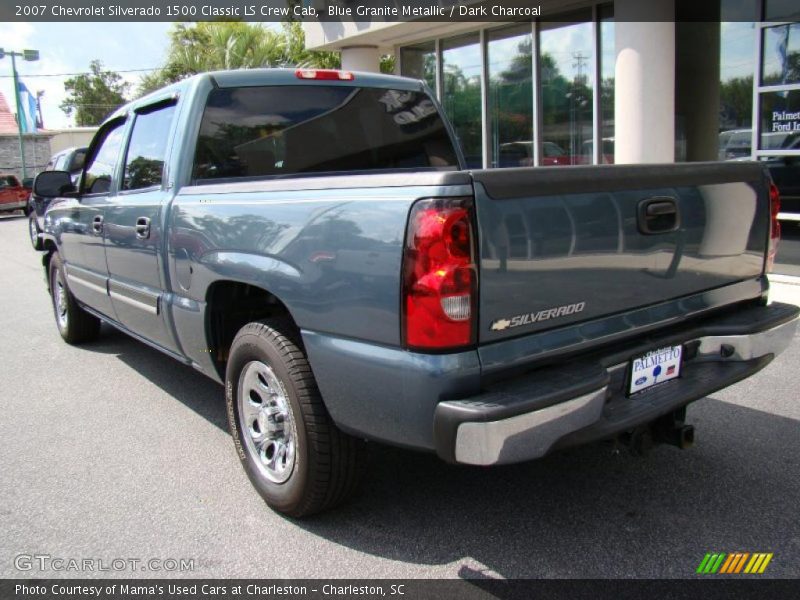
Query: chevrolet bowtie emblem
[(500, 324)]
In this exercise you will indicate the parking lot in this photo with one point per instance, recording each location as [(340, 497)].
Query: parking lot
[(112, 450)]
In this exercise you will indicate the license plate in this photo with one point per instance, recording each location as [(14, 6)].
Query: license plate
[(657, 366)]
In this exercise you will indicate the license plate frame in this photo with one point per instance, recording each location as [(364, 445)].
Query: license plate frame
[(655, 367)]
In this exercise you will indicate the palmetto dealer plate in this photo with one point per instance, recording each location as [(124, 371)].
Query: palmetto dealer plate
[(657, 366)]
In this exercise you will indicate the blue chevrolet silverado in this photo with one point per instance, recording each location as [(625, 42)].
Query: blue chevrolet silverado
[(312, 240)]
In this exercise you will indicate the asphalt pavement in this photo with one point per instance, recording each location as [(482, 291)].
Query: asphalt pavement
[(112, 450)]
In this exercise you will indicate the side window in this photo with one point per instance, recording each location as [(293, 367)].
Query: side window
[(144, 163), (59, 166), (78, 158), (100, 169)]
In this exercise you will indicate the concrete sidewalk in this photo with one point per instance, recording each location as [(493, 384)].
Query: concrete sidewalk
[(784, 288)]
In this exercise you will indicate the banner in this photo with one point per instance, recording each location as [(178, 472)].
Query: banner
[(27, 108)]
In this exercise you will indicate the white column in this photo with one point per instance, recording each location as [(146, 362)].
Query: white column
[(644, 105), (361, 58)]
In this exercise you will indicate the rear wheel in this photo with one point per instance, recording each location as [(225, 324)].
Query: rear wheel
[(293, 453), (34, 231), (74, 324)]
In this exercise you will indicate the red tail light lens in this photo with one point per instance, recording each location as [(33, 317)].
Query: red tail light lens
[(326, 74), (775, 225), (439, 275)]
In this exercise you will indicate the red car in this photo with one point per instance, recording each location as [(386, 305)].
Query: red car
[(13, 195)]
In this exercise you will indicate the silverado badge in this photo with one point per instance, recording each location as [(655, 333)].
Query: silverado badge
[(542, 315)]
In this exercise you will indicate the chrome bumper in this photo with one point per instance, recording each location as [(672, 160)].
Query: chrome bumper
[(532, 434)]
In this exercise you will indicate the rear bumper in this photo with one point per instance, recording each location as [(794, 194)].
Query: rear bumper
[(586, 400)]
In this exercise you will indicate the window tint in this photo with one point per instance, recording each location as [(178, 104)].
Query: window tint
[(144, 164), (78, 158), (281, 130), (100, 169)]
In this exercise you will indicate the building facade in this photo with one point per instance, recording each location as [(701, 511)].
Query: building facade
[(593, 82)]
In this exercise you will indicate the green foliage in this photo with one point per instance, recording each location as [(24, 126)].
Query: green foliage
[(217, 45), (736, 102), (92, 96)]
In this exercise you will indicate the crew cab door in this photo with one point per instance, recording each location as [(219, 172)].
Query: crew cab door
[(133, 225), (82, 220)]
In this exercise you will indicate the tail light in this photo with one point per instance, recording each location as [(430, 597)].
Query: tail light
[(775, 226), (440, 279), (326, 74)]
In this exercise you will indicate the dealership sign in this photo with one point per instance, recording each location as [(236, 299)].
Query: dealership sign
[(784, 121)]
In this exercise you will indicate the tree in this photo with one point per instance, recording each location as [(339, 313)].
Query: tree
[(217, 45), (736, 102), (91, 96)]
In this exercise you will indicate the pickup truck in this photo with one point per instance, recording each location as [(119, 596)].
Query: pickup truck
[(13, 194), (311, 240)]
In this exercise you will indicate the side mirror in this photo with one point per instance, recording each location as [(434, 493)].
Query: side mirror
[(49, 184)]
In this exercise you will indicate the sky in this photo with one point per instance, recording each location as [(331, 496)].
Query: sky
[(69, 48)]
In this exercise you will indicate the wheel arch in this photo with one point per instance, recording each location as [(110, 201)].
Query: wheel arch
[(230, 305)]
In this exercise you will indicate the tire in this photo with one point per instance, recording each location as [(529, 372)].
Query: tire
[(293, 453), (74, 324), (33, 232)]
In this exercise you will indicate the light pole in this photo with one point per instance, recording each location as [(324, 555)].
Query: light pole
[(29, 55)]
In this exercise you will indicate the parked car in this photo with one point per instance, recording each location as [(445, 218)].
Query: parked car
[(735, 144), (70, 160), (312, 240), (13, 194), (520, 154)]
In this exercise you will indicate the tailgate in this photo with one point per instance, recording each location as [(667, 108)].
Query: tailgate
[(562, 245)]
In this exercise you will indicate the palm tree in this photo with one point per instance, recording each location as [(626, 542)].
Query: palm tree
[(208, 46)]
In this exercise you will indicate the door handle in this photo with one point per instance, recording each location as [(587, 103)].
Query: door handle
[(97, 224), (658, 214), (143, 228)]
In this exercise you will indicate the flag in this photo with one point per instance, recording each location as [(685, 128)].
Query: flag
[(27, 109)]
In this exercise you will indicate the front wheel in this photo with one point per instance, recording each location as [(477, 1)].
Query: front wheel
[(74, 324), (293, 453), (34, 231)]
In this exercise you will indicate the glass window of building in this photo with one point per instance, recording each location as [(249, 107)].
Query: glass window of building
[(608, 57), (419, 62), (781, 10), (736, 68), (781, 55), (461, 93), (510, 62), (567, 83)]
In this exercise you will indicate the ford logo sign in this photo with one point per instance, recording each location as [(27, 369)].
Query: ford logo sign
[(640, 381)]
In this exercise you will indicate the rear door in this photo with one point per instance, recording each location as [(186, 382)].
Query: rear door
[(82, 221), (134, 226), (559, 246)]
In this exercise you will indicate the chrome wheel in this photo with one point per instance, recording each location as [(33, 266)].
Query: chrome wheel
[(267, 422), (60, 301)]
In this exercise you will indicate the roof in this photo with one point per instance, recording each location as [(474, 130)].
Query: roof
[(8, 122)]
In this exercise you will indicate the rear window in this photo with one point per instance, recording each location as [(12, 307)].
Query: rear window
[(286, 130)]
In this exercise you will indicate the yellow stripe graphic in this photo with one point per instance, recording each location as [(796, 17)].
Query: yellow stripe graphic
[(752, 564), (765, 563), (755, 563)]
